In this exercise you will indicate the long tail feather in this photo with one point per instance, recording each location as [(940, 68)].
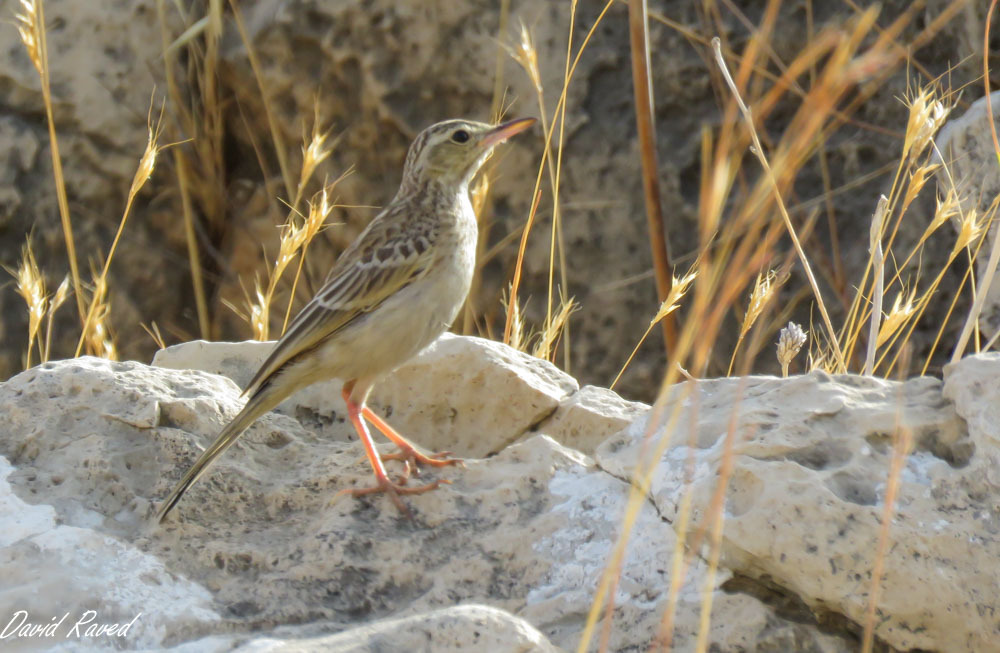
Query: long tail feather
[(262, 401)]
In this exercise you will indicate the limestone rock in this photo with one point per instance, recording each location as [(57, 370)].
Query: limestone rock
[(464, 628), (589, 417), (256, 546), (51, 569), (805, 499)]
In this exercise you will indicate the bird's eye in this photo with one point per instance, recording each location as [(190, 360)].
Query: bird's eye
[(460, 136)]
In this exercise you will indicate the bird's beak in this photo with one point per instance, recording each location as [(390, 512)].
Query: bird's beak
[(502, 132)]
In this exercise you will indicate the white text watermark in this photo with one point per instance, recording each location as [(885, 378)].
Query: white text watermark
[(79, 626)]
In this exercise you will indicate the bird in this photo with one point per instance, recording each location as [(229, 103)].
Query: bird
[(391, 293)]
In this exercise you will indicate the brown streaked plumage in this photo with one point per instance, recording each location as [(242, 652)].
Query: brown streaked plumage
[(392, 292)]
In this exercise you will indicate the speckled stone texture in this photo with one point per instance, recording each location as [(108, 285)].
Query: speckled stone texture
[(258, 556), (805, 500)]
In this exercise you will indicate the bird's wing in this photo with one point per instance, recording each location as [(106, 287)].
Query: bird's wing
[(384, 259)]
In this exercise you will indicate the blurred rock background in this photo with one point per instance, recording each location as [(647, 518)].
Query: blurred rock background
[(381, 70)]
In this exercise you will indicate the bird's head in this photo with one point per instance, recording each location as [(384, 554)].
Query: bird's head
[(451, 152)]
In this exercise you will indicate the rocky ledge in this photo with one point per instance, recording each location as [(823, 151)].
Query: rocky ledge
[(508, 557)]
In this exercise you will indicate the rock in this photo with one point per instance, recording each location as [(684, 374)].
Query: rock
[(462, 628), (589, 417), (51, 569), (256, 554), (806, 496), (467, 395), (966, 145)]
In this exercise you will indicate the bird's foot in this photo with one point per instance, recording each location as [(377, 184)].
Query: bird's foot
[(393, 491), (413, 458)]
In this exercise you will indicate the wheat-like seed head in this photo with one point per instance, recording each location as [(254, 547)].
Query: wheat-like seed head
[(28, 28), (763, 288), (550, 335), (927, 114), (99, 337), (902, 309), (291, 239), (148, 160), (314, 151), (258, 313), (678, 288), (918, 178), (525, 54), (62, 294), (320, 210), (31, 286), (968, 231), (944, 210), (517, 339)]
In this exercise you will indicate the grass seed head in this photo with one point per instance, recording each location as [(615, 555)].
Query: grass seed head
[(31, 286), (678, 288), (525, 54), (99, 338), (927, 114), (314, 150), (28, 27), (763, 288), (148, 160), (258, 313), (918, 178), (550, 334), (902, 309), (944, 210), (62, 293), (969, 230)]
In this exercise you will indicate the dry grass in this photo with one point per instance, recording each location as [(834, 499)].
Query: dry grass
[(744, 217), (525, 55), (840, 66), (95, 328), (31, 27), (31, 286)]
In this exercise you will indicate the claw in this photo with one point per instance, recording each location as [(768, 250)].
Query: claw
[(393, 490), (413, 458)]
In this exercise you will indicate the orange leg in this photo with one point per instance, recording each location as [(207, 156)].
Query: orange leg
[(382, 482), (408, 451)]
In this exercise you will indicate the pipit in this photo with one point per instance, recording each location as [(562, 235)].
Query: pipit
[(392, 292)]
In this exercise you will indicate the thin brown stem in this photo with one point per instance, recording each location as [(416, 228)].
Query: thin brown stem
[(639, 41)]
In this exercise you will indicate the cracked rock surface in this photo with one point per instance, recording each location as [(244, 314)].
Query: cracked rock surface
[(805, 501), (507, 558)]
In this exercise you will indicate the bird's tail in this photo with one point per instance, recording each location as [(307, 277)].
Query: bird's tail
[(261, 402)]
